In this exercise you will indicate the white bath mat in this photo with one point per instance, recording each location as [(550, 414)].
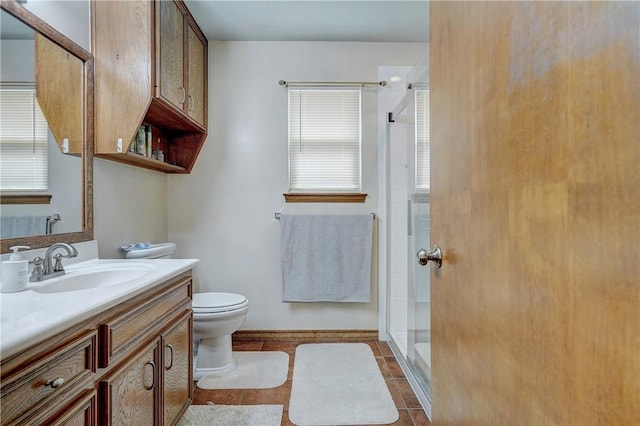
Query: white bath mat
[(232, 415), (255, 370), (339, 384)]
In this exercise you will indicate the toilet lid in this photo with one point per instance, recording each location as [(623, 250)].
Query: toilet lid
[(218, 302)]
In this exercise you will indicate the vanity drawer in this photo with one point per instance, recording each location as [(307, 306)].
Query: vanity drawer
[(41, 381), (118, 335), (80, 412)]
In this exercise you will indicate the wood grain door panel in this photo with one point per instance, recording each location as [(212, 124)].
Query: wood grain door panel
[(196, 72), (60, 81), (171, 48), (129, 396), (177, 347), (32, 386), (535, 138)]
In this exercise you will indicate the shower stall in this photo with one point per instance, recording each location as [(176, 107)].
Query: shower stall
[(404, 222)]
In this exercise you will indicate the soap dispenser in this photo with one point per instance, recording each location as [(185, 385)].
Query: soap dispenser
[(15, 272)]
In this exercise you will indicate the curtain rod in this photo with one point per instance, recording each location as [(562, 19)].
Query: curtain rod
[(277, 215), (332, 83)]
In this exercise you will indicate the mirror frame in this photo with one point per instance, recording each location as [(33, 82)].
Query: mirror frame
[(29, 18)]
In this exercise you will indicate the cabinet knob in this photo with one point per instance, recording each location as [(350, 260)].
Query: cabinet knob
[(190, 103), (184, 95), (55, 383)]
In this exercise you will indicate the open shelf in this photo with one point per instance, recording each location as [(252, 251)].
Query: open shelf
[(144, 162)]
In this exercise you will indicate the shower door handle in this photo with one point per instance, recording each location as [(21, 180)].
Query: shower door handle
[(435, 255)]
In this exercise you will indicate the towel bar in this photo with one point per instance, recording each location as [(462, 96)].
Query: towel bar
[(277, 215)]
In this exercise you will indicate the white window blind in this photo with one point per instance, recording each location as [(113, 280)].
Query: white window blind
[(423, 180), (23, 141), (324, 140)]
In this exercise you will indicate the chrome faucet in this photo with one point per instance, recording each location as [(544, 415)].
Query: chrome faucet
[(45, 269)]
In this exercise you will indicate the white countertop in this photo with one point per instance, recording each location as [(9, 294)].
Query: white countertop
[(29, 317)]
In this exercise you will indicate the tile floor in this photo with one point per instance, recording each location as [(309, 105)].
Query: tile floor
[(411, 414)]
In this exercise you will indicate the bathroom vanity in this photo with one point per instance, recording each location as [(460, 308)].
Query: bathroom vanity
[(109, 354)]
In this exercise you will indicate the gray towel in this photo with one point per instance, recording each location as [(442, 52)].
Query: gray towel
[(22, 226), (326, 258)]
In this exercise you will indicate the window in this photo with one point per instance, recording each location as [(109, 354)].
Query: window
[(423, 180), (23, 141), (324, 140)]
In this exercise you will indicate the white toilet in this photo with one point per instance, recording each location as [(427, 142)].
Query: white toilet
[(215, 317)]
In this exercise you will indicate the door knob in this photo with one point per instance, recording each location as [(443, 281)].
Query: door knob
[(435, 255)]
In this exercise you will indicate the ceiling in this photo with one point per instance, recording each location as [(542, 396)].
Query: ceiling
[(312, 20)]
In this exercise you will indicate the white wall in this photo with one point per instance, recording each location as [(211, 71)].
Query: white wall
[(18, 61), (130, 205), (71, 17), (223, 212)]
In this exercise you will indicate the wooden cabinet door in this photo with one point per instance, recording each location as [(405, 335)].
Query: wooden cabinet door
[(122, 47), (197, 85), (82, 412), (60, 81), (170, 50), (130, 395), (177, 368), (535, 203)]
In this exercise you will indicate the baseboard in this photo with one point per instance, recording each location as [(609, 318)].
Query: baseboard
[(308, 336)]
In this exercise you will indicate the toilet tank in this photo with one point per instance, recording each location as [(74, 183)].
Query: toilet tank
[(155, 251)]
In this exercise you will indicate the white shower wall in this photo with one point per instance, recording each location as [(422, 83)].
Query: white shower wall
[(398, 224), (392, 207), (407, 285)]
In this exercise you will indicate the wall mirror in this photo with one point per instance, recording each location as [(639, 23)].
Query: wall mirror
[(55, 204)]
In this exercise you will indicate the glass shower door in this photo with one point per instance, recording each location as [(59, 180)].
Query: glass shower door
[(407, 230), (419, 291), (419, 300)]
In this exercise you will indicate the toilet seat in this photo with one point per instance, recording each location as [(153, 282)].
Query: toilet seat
[(212, 302)]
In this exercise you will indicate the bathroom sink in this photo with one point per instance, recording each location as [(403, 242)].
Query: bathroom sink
[(95, 277)]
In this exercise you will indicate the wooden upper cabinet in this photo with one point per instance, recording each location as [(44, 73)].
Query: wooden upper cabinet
[(181, 67), (151, 70)]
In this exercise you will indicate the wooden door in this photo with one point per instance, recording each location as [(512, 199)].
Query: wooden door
[(130, 395), (171, 53), (535, 137), (177, 369), (196, 73)]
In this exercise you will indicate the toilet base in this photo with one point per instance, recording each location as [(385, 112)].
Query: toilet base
[(199, 373), (214, 356)]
